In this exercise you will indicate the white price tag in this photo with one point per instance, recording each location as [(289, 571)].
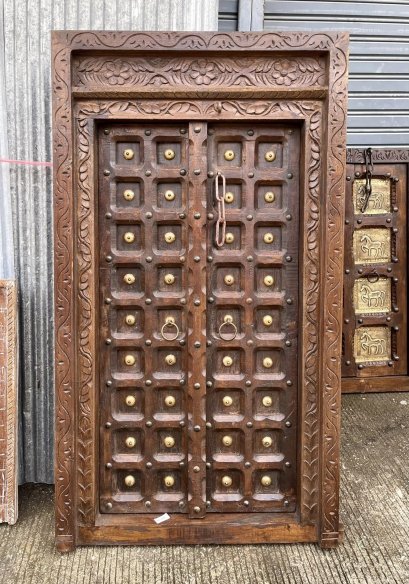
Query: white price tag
[(162, 518)]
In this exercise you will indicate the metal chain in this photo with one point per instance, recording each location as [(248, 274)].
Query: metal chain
[(221, 211), (368, 178)]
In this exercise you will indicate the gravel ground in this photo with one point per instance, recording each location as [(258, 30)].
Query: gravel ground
[(374, 506)]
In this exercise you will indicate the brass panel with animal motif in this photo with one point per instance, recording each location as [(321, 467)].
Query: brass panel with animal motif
[(372, 344), (372, 297), (379, 201), (372, 245)]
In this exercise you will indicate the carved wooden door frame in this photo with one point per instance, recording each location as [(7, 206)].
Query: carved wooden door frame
[(128, 76)]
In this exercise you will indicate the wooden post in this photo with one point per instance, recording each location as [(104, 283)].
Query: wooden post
[(8, 402)]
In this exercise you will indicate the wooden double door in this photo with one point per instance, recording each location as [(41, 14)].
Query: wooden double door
[(198, 317)]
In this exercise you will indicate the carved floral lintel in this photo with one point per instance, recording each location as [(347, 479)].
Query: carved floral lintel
[(203, 72)]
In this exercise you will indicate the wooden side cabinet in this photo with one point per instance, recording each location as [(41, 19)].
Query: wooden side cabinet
[(199, 208), (375, 335)]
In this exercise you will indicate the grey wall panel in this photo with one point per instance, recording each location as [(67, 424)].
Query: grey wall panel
[(379, 58), (379, 61), (26, 47), (228, 15)]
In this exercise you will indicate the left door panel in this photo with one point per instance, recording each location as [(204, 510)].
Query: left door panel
[(143, 242)]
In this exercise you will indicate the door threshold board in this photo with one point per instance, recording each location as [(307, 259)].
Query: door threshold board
[(228, 528)]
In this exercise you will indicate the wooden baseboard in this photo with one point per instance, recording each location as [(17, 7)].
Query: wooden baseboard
[(392, 383)]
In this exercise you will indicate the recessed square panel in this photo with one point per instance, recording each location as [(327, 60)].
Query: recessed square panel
[(128, 237), (168, 403), (168, 362), (267, 445), (228, 445), (128, 321), (269, 155), (266, 486), (234, 198), (127, 361), (268, 196), (168, 153), (266, 404), (227, 325), (229, 405), (235, 233), (128, 403), (268, 361), (227, 485), (128, 279), (169, 238), (378, 202), (170, 280), (129, 153), (267, 279), (372, 344), (268, 320), (170, 324), (128, 482), (372, 295), (229, 363), (267, 237), (372, 245), (127, 444), (169, 445), (228, 279), (129, 195), (229, 153), (170, 485), (169, 195)]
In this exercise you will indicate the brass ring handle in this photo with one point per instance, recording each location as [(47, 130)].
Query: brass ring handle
[(228, 321), (169, 322)]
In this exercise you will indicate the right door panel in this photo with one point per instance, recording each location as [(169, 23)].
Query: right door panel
[(252, 317)]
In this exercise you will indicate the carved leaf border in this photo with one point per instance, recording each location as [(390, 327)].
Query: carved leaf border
[(331, 380), (356, 155)]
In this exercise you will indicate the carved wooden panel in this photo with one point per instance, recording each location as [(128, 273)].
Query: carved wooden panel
[(375, 287), (141, 365), (143, 207), (8, 402), (253, 279)]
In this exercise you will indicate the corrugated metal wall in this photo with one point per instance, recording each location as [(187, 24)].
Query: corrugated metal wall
[(26, 47), (379, 62), (6, 226)]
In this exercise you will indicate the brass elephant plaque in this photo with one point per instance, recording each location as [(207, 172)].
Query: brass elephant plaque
[(372, 297), (372, 344), (379, 201), (372, 245)]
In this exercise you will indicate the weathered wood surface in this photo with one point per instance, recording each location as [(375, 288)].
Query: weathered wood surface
[(8, 402)]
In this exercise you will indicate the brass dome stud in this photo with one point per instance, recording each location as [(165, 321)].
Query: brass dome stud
[(128, 154), (227, 481), (129, 480)]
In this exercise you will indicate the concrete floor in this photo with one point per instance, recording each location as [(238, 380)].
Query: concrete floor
[(375, 511)]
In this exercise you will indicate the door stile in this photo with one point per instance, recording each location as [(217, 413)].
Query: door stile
[(196, 339)]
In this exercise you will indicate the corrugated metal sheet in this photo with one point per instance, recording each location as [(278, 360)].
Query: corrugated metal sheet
[(6, 227), (379, 61), (228, 15), (27, 27)]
